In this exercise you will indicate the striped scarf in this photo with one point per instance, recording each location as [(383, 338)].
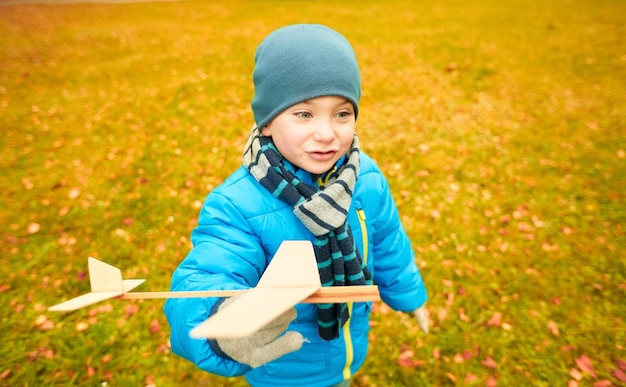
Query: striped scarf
[(323, 211)]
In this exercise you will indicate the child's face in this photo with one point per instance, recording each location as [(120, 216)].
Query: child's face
[(315, 133)]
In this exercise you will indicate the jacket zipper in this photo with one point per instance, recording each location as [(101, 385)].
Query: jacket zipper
[(347, 374)]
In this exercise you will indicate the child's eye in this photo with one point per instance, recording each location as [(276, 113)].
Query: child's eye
[(344, 114), (303, 115)]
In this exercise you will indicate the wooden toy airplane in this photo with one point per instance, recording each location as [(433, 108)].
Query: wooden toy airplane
[(290, 278)]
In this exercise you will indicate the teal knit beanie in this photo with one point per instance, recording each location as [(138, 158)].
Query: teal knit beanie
[(300, 62)]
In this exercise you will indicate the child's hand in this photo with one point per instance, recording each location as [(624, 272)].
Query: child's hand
[(263, 346), (421, 314)]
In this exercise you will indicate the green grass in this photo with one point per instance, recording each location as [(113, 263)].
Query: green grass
[(501, 127)]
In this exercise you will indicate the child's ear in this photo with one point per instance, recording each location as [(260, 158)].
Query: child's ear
[(266, 131)]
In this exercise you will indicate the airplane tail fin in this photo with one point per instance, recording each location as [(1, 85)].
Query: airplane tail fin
[(106, 282), (293, 265), (104, 277)]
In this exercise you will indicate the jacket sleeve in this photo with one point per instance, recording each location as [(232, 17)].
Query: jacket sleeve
[(395, 272), (225, 255)]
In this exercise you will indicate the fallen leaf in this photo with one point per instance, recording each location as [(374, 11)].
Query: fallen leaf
[(406, 360), (495, 320), (462, 315), (155, 326), (470, 378), (554, 328), (33, 228), (584, 363), (621, 364), (602, 383), (74, 193), (81, 326), (130, 310), (489, 363), (525, 227), (451, 377), (491, 382), (5, 374), (619, 375), (576, 374)]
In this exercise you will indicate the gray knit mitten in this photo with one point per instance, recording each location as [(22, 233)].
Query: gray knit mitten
[(265, 345)]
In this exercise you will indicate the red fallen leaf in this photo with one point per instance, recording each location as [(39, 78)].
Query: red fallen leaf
[(491, 382), (489, 363), (154, 326), (621, 364), (602, 383), (405, 359), (471, 378), (495, 320), (619, 375), (584, 363), (130, 310), (525, 227), (5, 374)]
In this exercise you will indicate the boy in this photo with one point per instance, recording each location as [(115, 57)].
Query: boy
[(303, 178)]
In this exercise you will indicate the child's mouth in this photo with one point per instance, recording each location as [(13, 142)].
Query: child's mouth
[(322, 156)]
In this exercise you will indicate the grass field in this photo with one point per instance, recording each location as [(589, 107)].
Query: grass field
[(501, 127)]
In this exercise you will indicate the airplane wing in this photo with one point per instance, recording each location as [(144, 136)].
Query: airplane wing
[(290, 278)]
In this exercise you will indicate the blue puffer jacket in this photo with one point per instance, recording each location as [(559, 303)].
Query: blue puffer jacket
[(240, 228)]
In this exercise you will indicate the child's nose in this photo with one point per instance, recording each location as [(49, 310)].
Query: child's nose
[(324, 131)]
